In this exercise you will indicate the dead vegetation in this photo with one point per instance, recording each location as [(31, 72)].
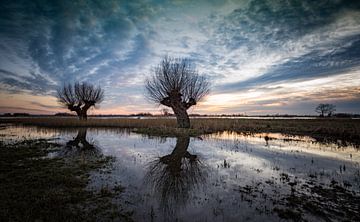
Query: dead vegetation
[(332, 130)]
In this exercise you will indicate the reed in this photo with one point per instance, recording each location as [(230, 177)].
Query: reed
[(322, 128)]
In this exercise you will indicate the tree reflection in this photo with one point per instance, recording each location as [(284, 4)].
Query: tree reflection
[(79, 146), (174, 177)]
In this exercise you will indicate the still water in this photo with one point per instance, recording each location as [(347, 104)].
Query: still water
[(217, 177)]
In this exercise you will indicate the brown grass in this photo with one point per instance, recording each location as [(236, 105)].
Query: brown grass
[(324, 129)]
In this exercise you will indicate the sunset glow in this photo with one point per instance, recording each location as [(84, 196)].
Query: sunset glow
[(261, 57)]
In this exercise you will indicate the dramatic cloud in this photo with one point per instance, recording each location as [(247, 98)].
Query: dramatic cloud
[(261, 56)]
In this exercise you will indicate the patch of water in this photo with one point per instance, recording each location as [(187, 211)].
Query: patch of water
[(219, 177)]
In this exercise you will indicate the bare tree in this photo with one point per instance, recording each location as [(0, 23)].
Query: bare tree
[(331, 109), (80, 97), (325, 109), (177, 84)]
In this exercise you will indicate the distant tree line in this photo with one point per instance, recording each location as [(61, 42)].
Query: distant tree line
[(15, 114), (64, 114), (141, 114)]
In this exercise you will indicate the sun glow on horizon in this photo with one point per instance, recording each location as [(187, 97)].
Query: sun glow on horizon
[(257, 61)]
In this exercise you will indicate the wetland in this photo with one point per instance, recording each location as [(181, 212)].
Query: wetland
[(118, 174)]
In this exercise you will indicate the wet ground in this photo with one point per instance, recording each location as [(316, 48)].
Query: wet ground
[(217, 177)]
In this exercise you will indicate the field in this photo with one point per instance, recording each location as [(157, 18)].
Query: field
[(322, 129)]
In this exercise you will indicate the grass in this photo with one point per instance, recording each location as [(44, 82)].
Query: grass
[(325, 129), (36, 188)]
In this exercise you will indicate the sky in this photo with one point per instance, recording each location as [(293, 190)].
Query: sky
[(261, 56)]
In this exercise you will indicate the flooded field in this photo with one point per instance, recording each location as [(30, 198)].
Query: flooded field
[(216, 177)]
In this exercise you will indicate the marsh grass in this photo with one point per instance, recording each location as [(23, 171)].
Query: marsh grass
[(325, 129), (36, 188)]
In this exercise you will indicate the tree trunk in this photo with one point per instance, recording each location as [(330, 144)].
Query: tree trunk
[(84, 110), (84, 113), (182, 116), (76, 109), (78, 113)]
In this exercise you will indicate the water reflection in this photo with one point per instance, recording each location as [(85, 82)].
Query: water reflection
[(267, 138), (80, 146), (241, 177), (174, 177), (10, 133), (278, 141)]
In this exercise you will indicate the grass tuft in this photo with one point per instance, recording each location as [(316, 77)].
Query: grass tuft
[(36, 188)]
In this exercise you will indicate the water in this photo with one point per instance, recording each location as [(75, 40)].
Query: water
[(217, 177), (173, 117)]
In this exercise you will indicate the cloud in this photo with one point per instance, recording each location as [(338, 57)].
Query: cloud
[(243, 46), (285, 96), (45, 106), (315, 64), (76, 40), (252, 39), (14, 109), (35, 83)]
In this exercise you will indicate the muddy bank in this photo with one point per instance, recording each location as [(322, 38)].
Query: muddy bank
[(38, 187)]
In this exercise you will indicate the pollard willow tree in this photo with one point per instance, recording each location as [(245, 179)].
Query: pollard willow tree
[(177, 84), (80, 97)]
